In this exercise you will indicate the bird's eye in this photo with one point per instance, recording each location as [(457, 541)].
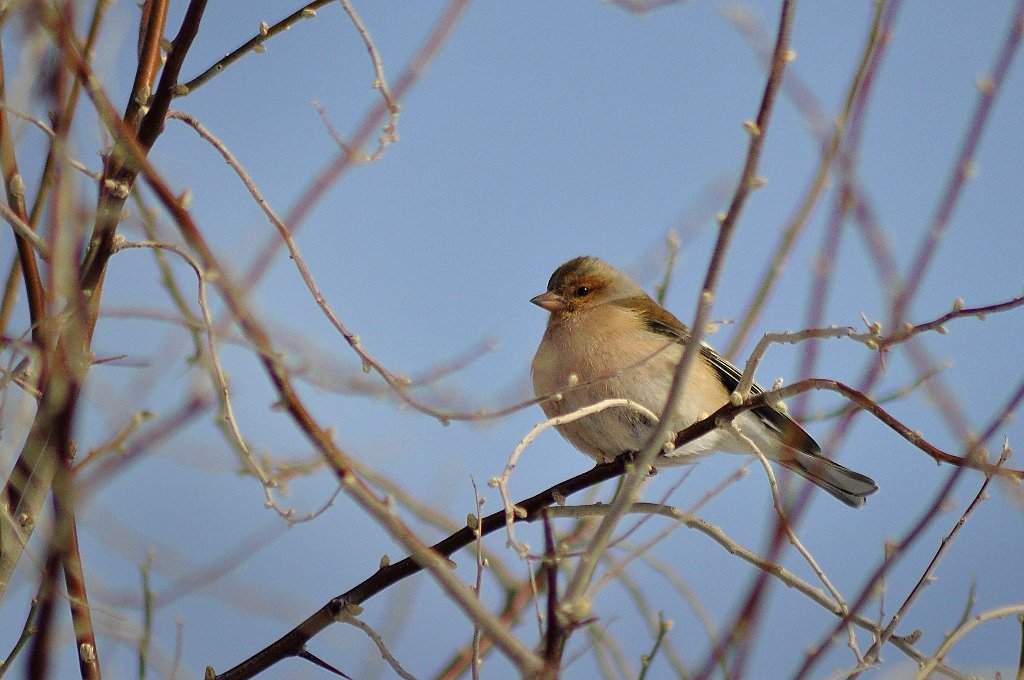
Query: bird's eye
[(583, 291)]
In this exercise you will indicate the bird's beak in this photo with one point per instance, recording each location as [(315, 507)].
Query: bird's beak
[(549, 301)]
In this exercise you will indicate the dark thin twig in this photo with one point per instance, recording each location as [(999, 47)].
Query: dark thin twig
[(27, 632), (118, 175), (901, 548), (265, 33), (295, 640), (304, 654), (39, 656)]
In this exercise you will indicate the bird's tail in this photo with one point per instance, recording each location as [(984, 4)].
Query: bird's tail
[(848, 486)]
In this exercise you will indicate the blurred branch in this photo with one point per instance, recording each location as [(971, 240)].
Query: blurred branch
[(633, 588), (899, 549), (855, 96), (115, 445), (52, 134), (642, 8), (553, 631), (65, 115), (895, 395), (575, 605), (843, 201), (954, 637), (23, 231), (39, 654), (145, 569), (15, 213), (388, 575), (372, 121), (988, 87), (672, 246), (875, 652)]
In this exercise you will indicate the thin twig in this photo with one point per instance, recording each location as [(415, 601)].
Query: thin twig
[(813, 193), (789, 579), (575, 606), (512, 512), (399, 384), (265, 33), (345, 617), (481, 562), (917, 529), (960, 632), (874, 652)]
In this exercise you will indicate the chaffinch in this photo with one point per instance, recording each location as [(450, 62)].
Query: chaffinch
[(606, 338)]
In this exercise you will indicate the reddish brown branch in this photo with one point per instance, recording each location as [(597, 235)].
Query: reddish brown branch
[(900, 549), (119, 175), (15, 189), (729, 412), (294, 641), (988, 90), (151, 32), (74, 579), (958, 311)]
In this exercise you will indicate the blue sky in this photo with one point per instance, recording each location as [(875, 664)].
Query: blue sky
[(544, 131)]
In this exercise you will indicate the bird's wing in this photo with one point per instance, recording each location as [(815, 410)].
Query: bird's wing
[(659, 320)]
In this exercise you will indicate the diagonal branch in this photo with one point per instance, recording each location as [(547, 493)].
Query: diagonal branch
[(575, 605)]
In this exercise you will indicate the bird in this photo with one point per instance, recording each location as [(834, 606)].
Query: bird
[(607, 338)]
